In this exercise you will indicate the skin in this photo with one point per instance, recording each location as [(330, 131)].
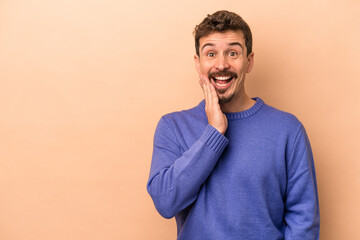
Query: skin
[(224, 52)]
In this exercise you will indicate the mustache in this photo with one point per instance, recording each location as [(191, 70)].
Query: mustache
[(222, 73)]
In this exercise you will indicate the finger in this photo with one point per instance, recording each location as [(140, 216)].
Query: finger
[(201, 84), (205, 82), (214, 95), (207, 93), (212, 89), (205, 89), (205, 78), (202, 79)]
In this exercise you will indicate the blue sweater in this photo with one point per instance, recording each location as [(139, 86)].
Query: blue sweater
[(256, 182)]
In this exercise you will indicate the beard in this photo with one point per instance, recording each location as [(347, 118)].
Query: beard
[(233, 75), (223, 99)]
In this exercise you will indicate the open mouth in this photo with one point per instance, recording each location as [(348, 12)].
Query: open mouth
[(222, 81)]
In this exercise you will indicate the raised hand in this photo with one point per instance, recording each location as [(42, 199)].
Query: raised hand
[(215, 116)]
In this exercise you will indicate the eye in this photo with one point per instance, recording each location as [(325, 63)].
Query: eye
[(210, 54), (233, 54)]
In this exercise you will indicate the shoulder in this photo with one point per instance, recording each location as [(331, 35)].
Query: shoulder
[(286, 127), (280, 118), (185, 126), (193, 114)]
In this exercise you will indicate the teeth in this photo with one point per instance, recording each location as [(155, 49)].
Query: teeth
[(222, 78), (221, 84)]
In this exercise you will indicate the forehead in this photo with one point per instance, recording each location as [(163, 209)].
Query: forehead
[(219, 39)]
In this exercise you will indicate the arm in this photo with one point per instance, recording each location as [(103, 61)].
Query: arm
[(175, 176), (302, 203)]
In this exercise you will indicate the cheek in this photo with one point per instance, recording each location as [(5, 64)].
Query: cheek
[(238, 64), (205, 66), (204, 69)]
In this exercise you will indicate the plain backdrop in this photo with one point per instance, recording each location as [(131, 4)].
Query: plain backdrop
[(84, 83)]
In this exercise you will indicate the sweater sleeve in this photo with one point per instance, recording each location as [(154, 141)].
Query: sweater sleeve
[(302, 203), (175, 176)]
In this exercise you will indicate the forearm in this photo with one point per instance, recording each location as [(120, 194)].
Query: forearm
[(175, 186)]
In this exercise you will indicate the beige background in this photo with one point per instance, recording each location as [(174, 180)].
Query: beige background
[(84, 83)]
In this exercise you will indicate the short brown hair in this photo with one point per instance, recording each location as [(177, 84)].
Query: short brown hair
[(222, 21)]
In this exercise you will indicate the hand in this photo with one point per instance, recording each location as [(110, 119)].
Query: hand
[(215, 116)]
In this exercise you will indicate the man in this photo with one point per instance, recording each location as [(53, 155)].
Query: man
[(233, 167)]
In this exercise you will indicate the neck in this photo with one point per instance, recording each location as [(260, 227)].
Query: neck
[(238, 103)]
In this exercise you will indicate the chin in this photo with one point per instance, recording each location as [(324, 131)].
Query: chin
[(225, 99)]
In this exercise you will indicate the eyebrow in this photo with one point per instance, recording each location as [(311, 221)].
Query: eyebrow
[(230, 44), (236, 43)]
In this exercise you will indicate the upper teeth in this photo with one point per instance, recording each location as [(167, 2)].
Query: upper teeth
[(222, 78)]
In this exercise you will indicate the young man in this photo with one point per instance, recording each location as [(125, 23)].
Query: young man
[(233, 167)]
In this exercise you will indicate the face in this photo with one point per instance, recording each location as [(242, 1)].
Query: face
[(223, 58)]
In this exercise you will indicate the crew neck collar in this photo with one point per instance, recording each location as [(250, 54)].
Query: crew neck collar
[(239, 115)]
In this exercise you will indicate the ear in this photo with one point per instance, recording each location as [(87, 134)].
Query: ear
[(250, 59), (197, 63)]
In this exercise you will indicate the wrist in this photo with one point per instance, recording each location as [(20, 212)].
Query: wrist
[(220, 129)]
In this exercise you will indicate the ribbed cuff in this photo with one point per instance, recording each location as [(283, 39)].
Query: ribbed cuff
[(214, 139)]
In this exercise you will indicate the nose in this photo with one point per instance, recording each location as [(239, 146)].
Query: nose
[(222, 62)]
